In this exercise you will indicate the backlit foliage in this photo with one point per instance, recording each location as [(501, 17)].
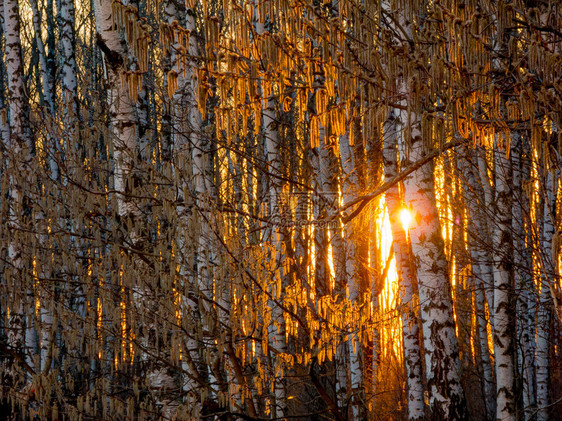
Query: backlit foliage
[(111, 303)]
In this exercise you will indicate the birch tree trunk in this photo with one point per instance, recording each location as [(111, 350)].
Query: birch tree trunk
[(46, 85), (202, 167), (66, 20), (524, 285), (46, 317), (368, 279), (277, 327), (446, 395), (121, 106), (441, 349), (545, 299), (487, 264), (191, 163), (503, 290), (18, 149), (124, 140), (478, 233), (350, 373), (406, 276)]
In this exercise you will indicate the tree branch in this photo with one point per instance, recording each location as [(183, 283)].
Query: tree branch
[(364, 200)]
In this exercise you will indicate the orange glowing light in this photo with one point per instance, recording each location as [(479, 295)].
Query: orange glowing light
[(405, 218)]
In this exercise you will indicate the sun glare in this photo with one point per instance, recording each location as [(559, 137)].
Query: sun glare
[(405, 218)]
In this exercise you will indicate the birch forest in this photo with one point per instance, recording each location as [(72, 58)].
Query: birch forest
[(280, 210)]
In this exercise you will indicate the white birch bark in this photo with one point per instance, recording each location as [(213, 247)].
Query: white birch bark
[(202, 176), (487, 266), (18, 159), (121, 105), (350, 374), (441, 350), (477, 232), (125, 146), (45, 82), (523, 280), (545, 299), (67, 63), (503, 290), (406, 276), (190, 158), (487, 380), (446, 396), (329, 179), (277, 327), (66, 19), (45, 315), (19, 138)]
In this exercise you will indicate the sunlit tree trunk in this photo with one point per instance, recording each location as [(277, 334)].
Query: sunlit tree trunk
[(349, 374), (406, 276), (277, 326), (368, 279), (446, 395), (377, 278), (271, 141), (329, 253), (440, 344), (503, 332)]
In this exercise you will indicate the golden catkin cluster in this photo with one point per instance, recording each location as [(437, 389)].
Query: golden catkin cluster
[(138, 35), (339, 68), (257, 104)]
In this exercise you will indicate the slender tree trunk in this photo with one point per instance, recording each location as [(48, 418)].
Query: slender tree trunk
[(406, 276), (66, 19), (441, 350), (190, 154), (368, 280), (45, 82), (477, 232), (523, 279), (277, 327), (545, 299), (446, 395), (19, 156), (503, 290), (487, 264), (350, 371)]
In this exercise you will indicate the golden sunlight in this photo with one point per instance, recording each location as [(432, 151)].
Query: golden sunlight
[(405, 218)]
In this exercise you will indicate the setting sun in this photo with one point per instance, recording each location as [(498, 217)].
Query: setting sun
[(405, 218)]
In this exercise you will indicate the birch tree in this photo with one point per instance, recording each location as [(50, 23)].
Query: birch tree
[(477, 230), (406, 275), (17, 154)]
